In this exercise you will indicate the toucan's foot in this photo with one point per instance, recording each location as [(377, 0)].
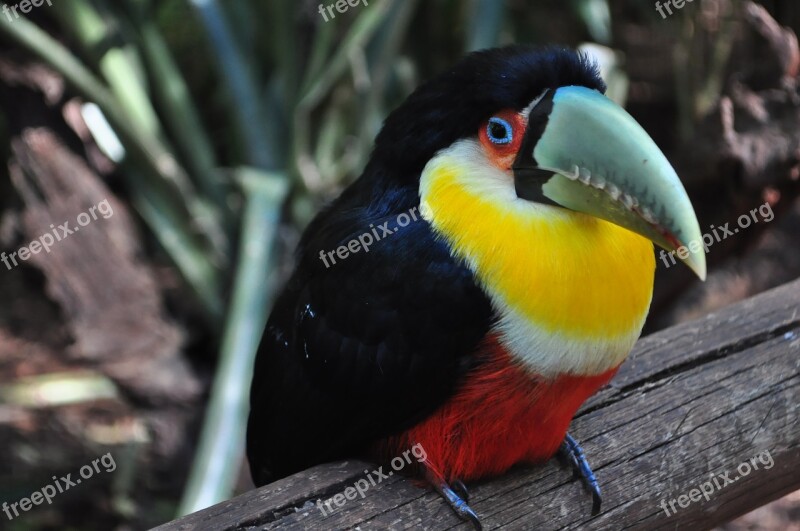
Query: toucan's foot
[(459, 505), (574, 455), (456, 496)]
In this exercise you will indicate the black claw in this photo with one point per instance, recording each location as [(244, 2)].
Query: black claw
[(460, 506), (574, 455), (460, 489), (472, 518), (457, 496), (596, 502)]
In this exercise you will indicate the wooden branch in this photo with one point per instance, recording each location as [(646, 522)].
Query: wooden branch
[(692, 404)]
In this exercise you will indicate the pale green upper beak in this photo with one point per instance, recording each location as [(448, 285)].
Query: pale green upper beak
[(593, 157)]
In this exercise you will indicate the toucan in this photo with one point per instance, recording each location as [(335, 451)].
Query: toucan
[(490, 270)]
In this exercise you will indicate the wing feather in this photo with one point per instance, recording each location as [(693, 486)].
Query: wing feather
[(361, 350)]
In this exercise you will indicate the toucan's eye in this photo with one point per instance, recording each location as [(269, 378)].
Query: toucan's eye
[(499, 131), (501, 136)]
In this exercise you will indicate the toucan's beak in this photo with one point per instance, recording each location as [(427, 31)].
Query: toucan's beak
[(584, 152)]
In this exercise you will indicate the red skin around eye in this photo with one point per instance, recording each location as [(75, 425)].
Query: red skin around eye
[(503, 155)]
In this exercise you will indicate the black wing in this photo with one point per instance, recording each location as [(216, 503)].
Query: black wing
[(362, 349)]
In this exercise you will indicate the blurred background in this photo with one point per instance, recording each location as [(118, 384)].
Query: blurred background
[(216, 129)]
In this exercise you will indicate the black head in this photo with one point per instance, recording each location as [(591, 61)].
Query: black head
[(454, 104)]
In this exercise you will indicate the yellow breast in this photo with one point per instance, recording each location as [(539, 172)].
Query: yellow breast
[(580, 284)]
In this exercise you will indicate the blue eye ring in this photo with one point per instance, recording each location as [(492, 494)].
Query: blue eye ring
[(493, 128)]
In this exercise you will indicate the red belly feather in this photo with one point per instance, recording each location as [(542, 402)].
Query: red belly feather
[(502, 415)]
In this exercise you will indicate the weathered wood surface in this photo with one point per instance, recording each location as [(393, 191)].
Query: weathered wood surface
[(692, 403)]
